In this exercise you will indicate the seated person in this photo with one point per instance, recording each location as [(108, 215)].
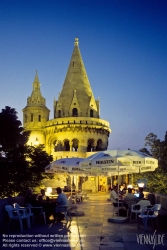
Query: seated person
[(61, 201), (66, 189), (113, 195), (141, 195), (31, 198), (62, 198), (122, 190), (43, 197), (129, 197), (45, 202)]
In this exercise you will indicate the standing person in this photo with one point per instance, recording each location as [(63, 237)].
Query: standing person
[(113, 194)]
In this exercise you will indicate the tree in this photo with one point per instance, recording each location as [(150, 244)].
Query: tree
[(21, 166), (11, 132), (38, 159), (146, 151), (157, 180)]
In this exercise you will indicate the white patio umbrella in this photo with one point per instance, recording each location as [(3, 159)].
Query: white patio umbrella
[(71, 167), (118, 162), (65, 165), (68, 165)]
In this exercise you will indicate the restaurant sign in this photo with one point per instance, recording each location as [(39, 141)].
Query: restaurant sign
[(105, 162), (109, 169), (146, 168)]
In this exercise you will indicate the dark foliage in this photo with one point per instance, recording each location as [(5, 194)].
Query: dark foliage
[(21, 166), (157, 180)]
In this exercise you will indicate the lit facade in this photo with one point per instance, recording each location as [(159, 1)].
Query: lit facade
[(76, 129)]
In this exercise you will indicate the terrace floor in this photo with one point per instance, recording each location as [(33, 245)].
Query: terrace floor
[(89, 232)]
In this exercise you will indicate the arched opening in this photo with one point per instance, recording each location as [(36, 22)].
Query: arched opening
[(59, 113), (32, 117), (54, 143), (99, 145), (74, 145), (66, 145), (59, 146), (90, 147), (75, 112), (39, 118), (91, 113)]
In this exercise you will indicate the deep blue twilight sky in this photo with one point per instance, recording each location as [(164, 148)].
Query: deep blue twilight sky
[(123, 44)]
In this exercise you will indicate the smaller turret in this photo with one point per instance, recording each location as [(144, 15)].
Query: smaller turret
[(35, 114)]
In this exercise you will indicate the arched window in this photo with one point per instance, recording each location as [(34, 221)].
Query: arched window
[(59, 146), (91, 113), (75, 112), (39, 118), (59, 113), (32, 117), (74, 145), (90, 147), (99, 145), (66, 145)]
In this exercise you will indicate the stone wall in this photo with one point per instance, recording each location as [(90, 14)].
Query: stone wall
[(161, 199)]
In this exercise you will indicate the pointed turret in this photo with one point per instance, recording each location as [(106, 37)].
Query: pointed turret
[(76, 97), (36, 97), (35, 114)]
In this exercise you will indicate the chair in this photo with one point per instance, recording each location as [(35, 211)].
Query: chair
[(17, 214), (129, 203), (79, 197), (116, 206), (28, 210), (137, 208), (74, 200), (66, 209), (40, 209), (149, 214)]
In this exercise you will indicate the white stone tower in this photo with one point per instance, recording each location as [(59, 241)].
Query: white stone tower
[(76, 129)]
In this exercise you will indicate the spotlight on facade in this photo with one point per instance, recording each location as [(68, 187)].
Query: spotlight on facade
[(36, 142)]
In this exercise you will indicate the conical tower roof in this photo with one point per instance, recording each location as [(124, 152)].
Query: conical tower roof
[(36, 97), (76, 88)]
